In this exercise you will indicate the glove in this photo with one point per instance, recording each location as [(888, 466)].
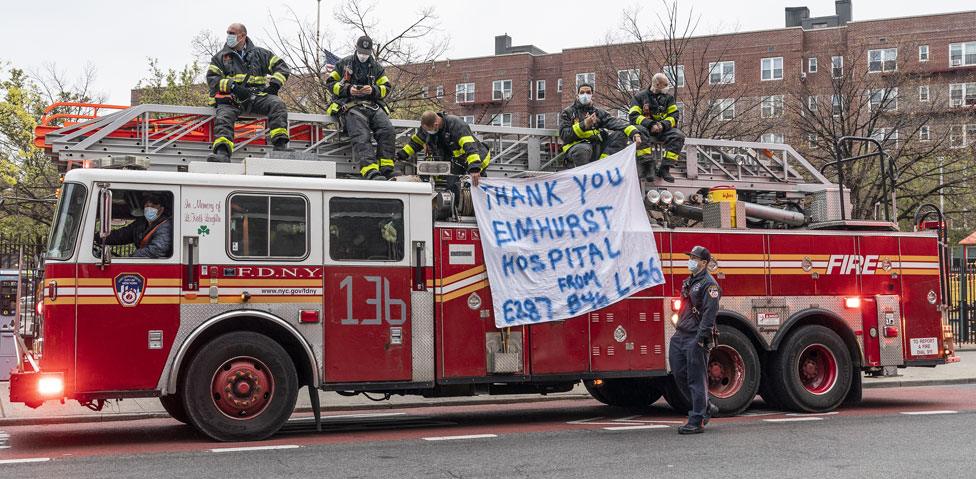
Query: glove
[(387, 171), (705, 339), (272, 88), (241, 92), (402, 155)]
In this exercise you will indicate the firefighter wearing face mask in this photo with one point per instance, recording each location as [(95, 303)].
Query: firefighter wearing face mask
[(694, 336), (589, 133), (451, 138), (244, 78), (359, 88), (655, 109)]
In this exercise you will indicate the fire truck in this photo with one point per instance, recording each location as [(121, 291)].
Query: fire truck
[(285, 275)]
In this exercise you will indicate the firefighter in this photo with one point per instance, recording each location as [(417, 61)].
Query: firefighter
[(589, 133), (655, 110), (359, 87), (688, 350), (152, 234), (244, 78), (451, 138)]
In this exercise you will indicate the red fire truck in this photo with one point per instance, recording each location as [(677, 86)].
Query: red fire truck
[(278, 281)]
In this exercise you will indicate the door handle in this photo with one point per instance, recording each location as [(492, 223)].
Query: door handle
[(52, 290)]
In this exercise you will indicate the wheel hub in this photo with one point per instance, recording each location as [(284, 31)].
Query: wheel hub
[(242, 387), (726, 372), (817, 369)]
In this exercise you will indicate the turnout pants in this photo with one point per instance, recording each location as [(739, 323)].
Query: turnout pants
[(269, 105), (363, 124), (688, 361), (585, 152), (673, 140)]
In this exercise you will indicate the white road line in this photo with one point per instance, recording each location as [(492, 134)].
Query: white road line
[(452, 438), (926, 413), (811, 414), (795, 419), (25, 460), (255, 448), (630, 428), (351, 416)]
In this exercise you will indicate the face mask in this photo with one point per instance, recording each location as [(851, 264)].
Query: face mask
[(431, 132), (231, 41), (362, 57), (692, 265), (150, 213), (584, 98)]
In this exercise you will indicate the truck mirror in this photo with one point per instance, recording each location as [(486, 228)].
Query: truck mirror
[(105, 222)]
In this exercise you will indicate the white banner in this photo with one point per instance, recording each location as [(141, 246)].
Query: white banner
[(568, 243)]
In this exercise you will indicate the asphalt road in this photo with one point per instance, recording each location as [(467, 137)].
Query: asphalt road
[(909, 432)]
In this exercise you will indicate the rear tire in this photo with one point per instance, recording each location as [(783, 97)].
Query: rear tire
[(675, 396), (241, 386), (628, 393), (173, 404), (733, 372), (813, 370)]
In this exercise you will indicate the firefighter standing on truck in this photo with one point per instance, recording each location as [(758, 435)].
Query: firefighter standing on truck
[(359, 87), (688, 350), (655, 110), (589, 133), (451, 137), (244, 78)]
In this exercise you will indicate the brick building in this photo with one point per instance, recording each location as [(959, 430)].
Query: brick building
[(767, 74)]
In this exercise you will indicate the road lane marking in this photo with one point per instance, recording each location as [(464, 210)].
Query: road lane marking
[(255, 448), (926, 413), (25, 460), (630, 428), (351, 416), (452, 438), (811, 414), (795, 419)]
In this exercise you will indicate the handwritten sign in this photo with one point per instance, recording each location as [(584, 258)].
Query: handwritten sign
[(568, 243)]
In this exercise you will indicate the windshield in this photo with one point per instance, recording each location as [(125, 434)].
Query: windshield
[(66, 222)]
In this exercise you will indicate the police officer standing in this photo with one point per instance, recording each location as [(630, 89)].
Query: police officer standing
[(688, 351)]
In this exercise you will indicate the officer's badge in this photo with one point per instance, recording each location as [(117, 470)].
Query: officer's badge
[(713, 291), (129, 288)]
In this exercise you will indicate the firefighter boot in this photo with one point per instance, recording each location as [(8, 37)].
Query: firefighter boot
[(281, 144), (664, 173), (645, 167), (376, 176), (221, 154), (692, 427), (712, 411)]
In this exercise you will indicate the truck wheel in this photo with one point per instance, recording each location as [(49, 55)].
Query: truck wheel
[(629, 393), (812, 372), (173, 405), (733, 372), (241, 386)]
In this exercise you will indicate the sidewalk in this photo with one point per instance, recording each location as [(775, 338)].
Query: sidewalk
[(963, 372)]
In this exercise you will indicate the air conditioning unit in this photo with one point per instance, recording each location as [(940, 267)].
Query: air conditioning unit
[(955, 102), (955, 62)]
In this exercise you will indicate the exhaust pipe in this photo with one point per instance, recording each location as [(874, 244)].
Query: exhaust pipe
[(792, 218)]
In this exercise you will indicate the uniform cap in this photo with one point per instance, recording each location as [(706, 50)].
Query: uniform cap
[(364, 45), (700, 252)]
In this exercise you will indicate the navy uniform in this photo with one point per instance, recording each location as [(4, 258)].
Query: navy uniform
[(688, 351)]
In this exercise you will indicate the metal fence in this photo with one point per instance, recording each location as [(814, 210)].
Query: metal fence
[(962, 303)]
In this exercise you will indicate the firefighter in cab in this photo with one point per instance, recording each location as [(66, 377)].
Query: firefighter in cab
[(152, 235), (359, 88), (655, 110), (695, 335), (245, 79), (589, 133)]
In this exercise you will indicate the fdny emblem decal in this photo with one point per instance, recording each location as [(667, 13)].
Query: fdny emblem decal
[(129, 288)]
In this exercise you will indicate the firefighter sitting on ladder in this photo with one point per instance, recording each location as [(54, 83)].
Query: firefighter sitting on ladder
[(238, 80), (359, 86), (452, 139), (589, 133), (654, 109)]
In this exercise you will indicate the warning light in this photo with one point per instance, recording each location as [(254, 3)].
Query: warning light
[(674, 318), (676, 304), (40, 307), (50, 386), (852, 303), (597, 382)]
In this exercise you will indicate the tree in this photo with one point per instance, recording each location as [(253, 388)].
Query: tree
[(172, 87)]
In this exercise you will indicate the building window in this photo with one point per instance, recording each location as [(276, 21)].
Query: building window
[(886, 137), (559, 85), (464, 93), (772, 106), (531, 88), (883, 60), (501, 90), (468, 119), (588, 78), (540, 120), (676, 75), (724, 109), (772, 68), (812, 140), (957, 138), (812, 65), (924, 134), (962, 94), (837, 105), (268, 226), (628, 80), (540, 89), (721, 73), (439, 92), (884, 99), (771, 138), (812, 103), (836, 67), (923, 53), (923, 93), (423, 91), (365, 229), (962, 54), (502, 119)]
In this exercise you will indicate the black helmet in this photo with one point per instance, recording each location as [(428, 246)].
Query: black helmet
[(701, 253), (364, 45)]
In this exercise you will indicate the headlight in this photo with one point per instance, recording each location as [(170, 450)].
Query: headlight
[(666, 197), (679, 198), (653, 197)]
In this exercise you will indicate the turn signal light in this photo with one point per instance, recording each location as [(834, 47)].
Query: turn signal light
[(597, 382), (676, 304), (50, 386), (852, 303)]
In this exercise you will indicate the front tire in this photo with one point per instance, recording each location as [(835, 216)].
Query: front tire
[(241, 386), (628, 393), (812, 371), (173, 404)]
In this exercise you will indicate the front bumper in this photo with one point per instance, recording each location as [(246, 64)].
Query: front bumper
[(32, 388)]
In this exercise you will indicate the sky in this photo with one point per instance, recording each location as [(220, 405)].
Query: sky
[(116, 37)]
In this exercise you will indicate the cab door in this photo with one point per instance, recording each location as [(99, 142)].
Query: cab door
[(127, 308)]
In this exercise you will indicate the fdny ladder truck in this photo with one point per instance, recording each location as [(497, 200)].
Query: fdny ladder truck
[(285, 275)]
